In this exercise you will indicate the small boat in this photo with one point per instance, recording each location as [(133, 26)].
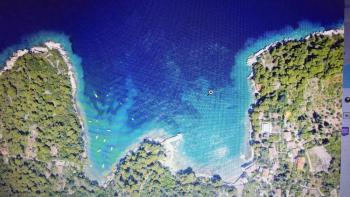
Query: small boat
[(99, 150)]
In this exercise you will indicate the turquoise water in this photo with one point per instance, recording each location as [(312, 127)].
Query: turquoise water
[(213, 126)]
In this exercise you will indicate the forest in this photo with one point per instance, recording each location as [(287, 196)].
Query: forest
[(42, 147)]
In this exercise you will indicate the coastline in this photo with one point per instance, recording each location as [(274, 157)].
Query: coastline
[(168, 142), (171, 147), (74, 84), (255, 90), (44, 48), (176, 161), (238, 180), (12, 60), (156, 136), (266, 171), (254, 58)]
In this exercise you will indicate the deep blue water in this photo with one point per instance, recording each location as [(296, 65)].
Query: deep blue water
[(148, 65)]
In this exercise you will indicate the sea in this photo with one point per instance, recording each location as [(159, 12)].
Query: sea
[(160, 68)]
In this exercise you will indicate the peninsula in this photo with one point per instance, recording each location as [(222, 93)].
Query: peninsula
[(42, 140), (294, 134), (296, 117)]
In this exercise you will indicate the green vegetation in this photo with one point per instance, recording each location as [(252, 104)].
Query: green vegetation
[(41, 142), (42, 147), (299, 85), (141, 174), (37, 113)]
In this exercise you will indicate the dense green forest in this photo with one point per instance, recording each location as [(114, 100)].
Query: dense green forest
[(42, 149), (141, 173)]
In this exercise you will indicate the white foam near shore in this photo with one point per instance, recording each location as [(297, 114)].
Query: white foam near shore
[(171, 146), (175, 160), (44, 48), (254, 58), (49, 45), (11, 62), (53, 45), (331, 32)]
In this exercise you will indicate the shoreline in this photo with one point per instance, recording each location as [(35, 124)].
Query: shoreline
[(53, 45), (156, 136), (174, 160), (44, 48), (10, 62), (249, 156), (74, 84), (169, 143), (254, 58)]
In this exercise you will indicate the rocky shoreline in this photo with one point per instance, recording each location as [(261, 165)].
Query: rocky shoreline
[(44, 48), (169, 143), (11, 61), (256, 57), (73, 81)]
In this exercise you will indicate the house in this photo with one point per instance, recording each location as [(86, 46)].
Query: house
[(300, 162), (266, 127)]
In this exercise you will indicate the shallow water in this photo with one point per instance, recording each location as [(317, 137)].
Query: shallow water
[(150, 68)]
